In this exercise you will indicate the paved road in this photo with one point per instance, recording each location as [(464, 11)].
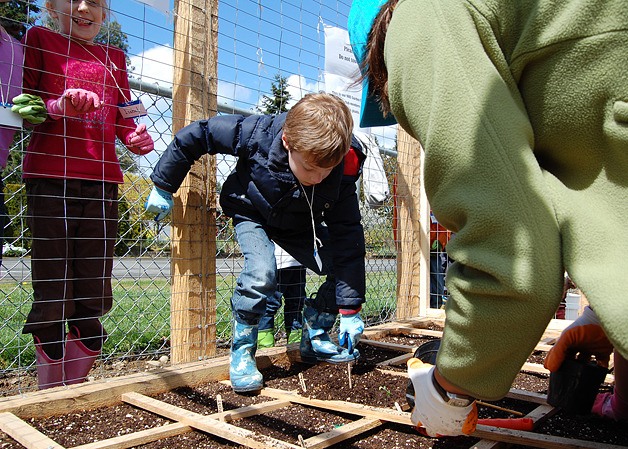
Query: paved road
[(15, 269)]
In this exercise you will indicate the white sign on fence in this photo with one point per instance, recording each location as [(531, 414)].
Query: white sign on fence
[(160, 5)]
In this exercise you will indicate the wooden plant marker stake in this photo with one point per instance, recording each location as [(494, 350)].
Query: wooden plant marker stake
[(302, 383), (497, 407), (349, 375), (219, 403)]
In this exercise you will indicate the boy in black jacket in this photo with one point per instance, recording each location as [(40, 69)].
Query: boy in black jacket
[(294, 171)]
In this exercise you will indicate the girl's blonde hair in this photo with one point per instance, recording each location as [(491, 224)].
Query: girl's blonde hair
[(320, 125)]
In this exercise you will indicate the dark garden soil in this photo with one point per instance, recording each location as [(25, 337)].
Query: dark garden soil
[(371, 385)]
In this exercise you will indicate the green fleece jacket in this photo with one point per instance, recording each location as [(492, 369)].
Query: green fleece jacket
[(522, 109)]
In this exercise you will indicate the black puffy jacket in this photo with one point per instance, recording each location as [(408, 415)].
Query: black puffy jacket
[(263, 189)]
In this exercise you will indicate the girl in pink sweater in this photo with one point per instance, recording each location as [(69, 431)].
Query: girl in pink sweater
[(72, 174)]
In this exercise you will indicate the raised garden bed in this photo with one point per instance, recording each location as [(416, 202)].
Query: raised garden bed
[(301, 406)]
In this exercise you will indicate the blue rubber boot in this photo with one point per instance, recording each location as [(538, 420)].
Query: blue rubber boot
[(242, 367), (316, 345)]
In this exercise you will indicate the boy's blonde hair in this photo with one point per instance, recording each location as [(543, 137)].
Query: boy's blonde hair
[(320, 125)]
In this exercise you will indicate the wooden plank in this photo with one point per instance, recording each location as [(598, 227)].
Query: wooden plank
[(168, 430), (399, 360), (206, 424), (27, 436), (420, 332), (537, 440), (538, 415), (482, 431), (540, 369), (342, 433), (387, 345), (60, 401), (528, 396), (342, 406), (138, 438)]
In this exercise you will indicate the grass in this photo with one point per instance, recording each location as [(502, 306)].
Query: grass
[(139, 322)]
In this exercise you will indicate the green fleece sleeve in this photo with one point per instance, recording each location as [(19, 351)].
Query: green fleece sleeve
[(483, 183), (518, 106)]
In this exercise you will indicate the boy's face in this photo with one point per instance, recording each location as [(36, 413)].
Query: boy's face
[(80, 19), (305, 171)]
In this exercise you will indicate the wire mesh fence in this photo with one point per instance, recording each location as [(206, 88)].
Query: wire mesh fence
[(260, 44), (269, 55)]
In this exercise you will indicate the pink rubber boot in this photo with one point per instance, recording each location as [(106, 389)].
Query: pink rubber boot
[(615, 405), (49, 371), (78, 359)]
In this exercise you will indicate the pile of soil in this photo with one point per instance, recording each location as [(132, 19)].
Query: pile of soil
[(371, 385)]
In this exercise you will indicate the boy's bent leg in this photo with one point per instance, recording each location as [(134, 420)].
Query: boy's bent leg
[(258, 278), (257, 282)]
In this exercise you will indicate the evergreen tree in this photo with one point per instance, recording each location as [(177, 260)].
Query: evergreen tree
[(111, 34), (278, 103), (128, 160), (17, 15)]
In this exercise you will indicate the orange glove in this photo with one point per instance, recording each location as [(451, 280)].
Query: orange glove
[(584, 337)]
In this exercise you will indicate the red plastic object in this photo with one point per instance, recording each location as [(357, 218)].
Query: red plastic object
[(509, 423)]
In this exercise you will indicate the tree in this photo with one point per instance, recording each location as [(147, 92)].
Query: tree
[(279, 101), (128, 161), (17, 15), (111, 34)]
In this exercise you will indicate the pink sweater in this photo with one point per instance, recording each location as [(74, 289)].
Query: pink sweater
[(80, 147)]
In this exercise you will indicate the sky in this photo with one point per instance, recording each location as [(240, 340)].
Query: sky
[(257, 39)]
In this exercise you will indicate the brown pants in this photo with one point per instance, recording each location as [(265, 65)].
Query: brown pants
[(74, 225)]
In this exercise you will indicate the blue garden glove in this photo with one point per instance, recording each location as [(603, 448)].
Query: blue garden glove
[(160, 202), (351, 329)]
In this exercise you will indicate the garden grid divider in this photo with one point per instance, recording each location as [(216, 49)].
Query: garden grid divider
[(134, 390)]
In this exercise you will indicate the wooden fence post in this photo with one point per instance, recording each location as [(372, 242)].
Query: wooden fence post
[(413, 265), (193, 236)]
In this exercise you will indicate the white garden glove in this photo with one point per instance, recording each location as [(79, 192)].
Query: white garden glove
[(431, 414), (160, 202)]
